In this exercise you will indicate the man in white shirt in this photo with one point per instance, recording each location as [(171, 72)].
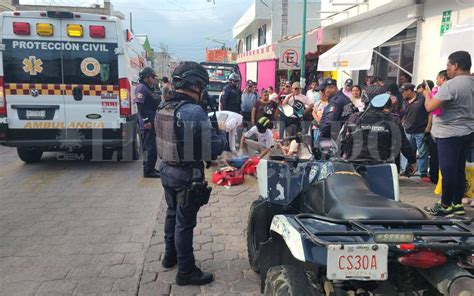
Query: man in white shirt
[(229, 122), (312, 93), (264, 137)]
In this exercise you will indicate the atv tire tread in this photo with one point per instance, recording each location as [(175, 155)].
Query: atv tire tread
[(253, 252), (289, 280)]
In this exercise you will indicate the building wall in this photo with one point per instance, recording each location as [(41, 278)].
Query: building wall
[(220, 56), (429, 62), (295, 17), (355, 13), (266, 75), (5, 5), (107, 8), (254, 34), (274, 26), (162, 64)]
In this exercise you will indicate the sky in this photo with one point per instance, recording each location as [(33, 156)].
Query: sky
[(184, 26)]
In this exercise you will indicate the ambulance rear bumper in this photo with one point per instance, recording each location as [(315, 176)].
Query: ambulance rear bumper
[(61, 140)]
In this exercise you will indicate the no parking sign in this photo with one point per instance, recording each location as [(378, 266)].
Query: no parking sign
[(289, 58)]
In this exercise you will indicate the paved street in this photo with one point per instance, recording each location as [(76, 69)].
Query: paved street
[(73, 226), (78, 227)]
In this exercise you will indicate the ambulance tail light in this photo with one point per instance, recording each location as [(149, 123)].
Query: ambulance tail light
[(75, 30), (21, 28), (44, 29), (97, 31), (3, 101), (125, 99)]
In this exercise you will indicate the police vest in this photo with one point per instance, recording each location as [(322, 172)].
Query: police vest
[(234, 100), (370, 138), (167, 143)]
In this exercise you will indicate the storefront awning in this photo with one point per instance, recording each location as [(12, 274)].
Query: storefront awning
[(460, 37), (354, 52)]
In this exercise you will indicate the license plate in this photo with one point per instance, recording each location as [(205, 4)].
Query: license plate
[(357, 262), (35, 113)]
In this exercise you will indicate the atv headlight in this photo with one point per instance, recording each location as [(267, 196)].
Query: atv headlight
[(394, 237)]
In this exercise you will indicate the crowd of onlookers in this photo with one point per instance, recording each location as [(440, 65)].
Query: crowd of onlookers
[(438, 118)]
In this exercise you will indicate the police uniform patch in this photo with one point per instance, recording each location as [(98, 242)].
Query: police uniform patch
[(331, 109), (90, 67)]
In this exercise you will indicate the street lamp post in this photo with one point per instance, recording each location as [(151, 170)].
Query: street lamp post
[(303, 48)]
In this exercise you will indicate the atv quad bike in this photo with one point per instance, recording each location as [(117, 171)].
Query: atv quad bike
[(335, 228)]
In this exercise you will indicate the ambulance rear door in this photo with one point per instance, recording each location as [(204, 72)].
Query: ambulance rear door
[(90, 77), (32, 79)]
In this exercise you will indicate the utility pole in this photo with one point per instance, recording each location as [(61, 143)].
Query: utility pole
[(303, 48)]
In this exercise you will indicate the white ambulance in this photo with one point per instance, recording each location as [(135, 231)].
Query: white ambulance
[(66, 81)]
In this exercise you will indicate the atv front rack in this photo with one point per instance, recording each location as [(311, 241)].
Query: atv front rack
[(428, 234)]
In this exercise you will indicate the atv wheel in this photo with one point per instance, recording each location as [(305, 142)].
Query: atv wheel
[(29, 155), (256, 233), (290, 280)]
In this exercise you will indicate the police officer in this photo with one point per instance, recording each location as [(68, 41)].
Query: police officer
[(231, 98), (147, 104), (185, 139), (376, 136), (340, 107)]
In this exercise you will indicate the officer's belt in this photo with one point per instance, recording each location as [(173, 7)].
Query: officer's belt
[(196, 164)]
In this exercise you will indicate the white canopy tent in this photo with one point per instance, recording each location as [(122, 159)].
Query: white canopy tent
[(354, 52), (460, 37)]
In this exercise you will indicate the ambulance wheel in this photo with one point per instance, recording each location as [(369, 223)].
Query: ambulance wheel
[(137, 145), (290, 280), (29, 155), (133, 150)]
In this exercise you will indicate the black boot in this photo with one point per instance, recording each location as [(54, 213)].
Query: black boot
[(151, 174), (169, 261), (195, 277)]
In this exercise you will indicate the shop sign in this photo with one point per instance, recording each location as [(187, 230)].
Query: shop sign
[(289, 58), (445, 22)]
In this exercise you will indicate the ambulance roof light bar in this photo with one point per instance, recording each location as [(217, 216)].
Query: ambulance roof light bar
[(60, 14)]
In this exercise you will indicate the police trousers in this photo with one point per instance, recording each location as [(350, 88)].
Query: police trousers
[(180, 219), (150, 154)]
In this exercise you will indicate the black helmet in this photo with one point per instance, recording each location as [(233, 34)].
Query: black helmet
[(263, 124), (234, 77), (145, 72), (190, 73)]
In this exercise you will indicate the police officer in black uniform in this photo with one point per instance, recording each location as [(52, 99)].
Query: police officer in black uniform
[(338, 110), (376, 136), (231, 99), (186, 138), (147, 104)]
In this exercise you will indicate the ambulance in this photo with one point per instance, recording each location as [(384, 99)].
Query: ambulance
[(66, 81)]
